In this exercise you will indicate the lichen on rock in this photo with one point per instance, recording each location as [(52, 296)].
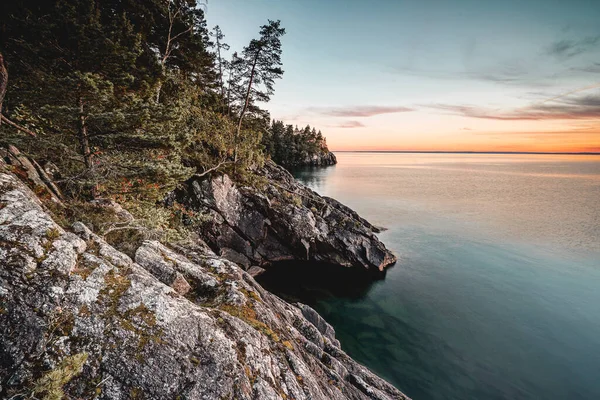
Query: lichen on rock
[(103, 326)]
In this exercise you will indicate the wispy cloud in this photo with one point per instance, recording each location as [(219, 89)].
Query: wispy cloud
[(564, 49), (536, 69), (583, 107), (537, 134), (591, 68), (511, 73), (358, 111), (349, 125)]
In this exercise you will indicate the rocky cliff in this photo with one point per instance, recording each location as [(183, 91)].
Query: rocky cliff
[(79, 319), (320, 160), (280, 219)]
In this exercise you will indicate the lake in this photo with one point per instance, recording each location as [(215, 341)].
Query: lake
[(496, 293)]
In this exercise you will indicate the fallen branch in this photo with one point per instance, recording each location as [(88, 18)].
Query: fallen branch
[(16, 126)]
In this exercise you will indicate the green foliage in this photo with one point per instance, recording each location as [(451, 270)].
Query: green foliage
[(260, 63), (129, 99), (257, 69), (50, 385), (86, 81), (291, 146)]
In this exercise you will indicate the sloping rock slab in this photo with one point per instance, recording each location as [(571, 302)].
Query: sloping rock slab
[(281, 219), (67, 296)]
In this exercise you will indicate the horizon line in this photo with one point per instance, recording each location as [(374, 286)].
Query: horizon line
[(582, 153)]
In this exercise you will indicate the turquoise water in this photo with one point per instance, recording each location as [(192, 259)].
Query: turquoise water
[(496, 294)]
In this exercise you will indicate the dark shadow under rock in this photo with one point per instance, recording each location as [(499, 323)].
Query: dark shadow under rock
[(308, 282)]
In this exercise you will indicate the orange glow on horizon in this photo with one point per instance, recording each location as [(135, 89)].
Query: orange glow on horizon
[(544, 142), (448, 134), (422, 130)]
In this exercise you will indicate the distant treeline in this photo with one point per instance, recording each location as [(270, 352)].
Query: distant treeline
[(290, 146)]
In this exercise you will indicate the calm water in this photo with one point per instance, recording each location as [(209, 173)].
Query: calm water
[(497, 291)]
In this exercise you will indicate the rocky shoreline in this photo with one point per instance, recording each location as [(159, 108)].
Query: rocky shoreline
[(322, 159), (80, 319), (281, 220)]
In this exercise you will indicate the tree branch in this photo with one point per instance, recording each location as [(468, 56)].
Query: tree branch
[(16, 126), (181, 33), (206, 172)]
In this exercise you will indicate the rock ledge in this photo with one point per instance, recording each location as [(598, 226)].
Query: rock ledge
[(279, 220)]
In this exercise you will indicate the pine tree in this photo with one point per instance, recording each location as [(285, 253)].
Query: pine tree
[(222, 63), (260, 67), (87, 94)]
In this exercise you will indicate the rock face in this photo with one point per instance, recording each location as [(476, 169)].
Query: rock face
[(319, 160), (279, 220), (79, 317), (30, 171)]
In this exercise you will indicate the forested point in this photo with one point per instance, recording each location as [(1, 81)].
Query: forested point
[(126, 99), (291, 147)]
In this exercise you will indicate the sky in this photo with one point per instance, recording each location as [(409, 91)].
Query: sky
[(433, 75)]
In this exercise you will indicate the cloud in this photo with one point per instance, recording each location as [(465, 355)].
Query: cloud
[(561, 132), (358, 111), (511, 73), (582, 107), (350, 124), (592, 68), (519, 70), (290, 118), (564, 49)]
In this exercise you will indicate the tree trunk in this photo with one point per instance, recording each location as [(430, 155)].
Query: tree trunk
[(84, 142), (229, 92), (3, 83), (16, 126), (160, 83), (83, 136), (221, 72), (246, 103)]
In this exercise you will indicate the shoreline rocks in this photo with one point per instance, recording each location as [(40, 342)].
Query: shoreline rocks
[(83, 320), (319, 160), (280, 220), (322, 159)]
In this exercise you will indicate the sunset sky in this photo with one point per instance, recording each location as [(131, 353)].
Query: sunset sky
[(433, 74)]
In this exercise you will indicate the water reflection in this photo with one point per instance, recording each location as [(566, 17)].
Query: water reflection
[(312, 176), (496, 292)]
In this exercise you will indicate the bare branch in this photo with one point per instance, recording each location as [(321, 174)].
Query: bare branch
[(16, 126), (216, 167), (182, 33)]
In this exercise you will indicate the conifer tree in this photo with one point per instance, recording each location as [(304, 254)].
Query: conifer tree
[(222, 63), (76, 78), (260, 67)]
